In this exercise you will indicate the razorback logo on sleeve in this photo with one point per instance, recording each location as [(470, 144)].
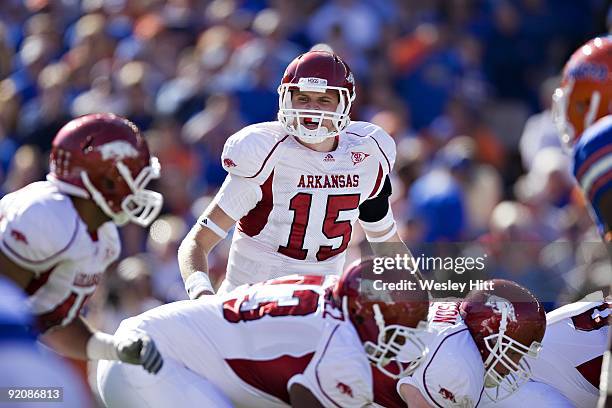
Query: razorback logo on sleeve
[(447, 395), (19, 236), (344, 389), (227, 162)]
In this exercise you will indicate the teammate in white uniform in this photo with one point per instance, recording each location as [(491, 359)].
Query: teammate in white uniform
[(24, 365), (566, 372), (296, 186), (57, 237), (473, 345), (296, 340)]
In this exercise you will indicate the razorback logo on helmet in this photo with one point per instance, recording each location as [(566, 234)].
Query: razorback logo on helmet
[(358, 157), (229, 162), (19, 236), (345, 389), (447, 395), (496, 302), (350, 78), (117, 150)]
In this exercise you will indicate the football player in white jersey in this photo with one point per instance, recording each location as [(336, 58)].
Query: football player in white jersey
[(474, 345), (58, 236), (567, 371), (300, 340), (296, 186)]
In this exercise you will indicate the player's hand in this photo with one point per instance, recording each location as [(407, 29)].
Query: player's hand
[(140, 349)]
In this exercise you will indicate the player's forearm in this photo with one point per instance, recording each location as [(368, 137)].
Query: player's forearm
[(212, 227), (192, 257), (193, 264), (412, 396), (391, 246), (70, 340)]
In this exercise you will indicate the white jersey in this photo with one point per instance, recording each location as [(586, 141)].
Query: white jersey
[(567, 369), (255, 342), (296, 207), (41, 231), (572, 350), (536, 394), (452, 374)]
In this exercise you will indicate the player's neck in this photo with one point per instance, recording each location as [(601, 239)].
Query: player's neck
[(90, 213), (328, 145)]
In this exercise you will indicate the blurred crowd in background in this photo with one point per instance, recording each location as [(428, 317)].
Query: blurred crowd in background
[(464, 87)]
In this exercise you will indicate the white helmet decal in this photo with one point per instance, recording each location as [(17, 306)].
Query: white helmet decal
[(117, 150), (497, 303)]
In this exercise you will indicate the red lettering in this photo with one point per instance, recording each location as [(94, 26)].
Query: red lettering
[(441, 319), (446, 313), (334, 180), (326, 183), (349, 181), (310, 179), (318, 182), (301, 183)]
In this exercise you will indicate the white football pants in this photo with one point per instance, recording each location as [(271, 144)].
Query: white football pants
[(126, 385)]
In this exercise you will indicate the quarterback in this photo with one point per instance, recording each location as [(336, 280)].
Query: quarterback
[(296, 186), (58, 236)]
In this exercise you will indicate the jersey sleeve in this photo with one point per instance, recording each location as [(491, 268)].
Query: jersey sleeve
[(447, 378), (339, 373), (250, 153), (237, 196), (385, 145), (38, 236)]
